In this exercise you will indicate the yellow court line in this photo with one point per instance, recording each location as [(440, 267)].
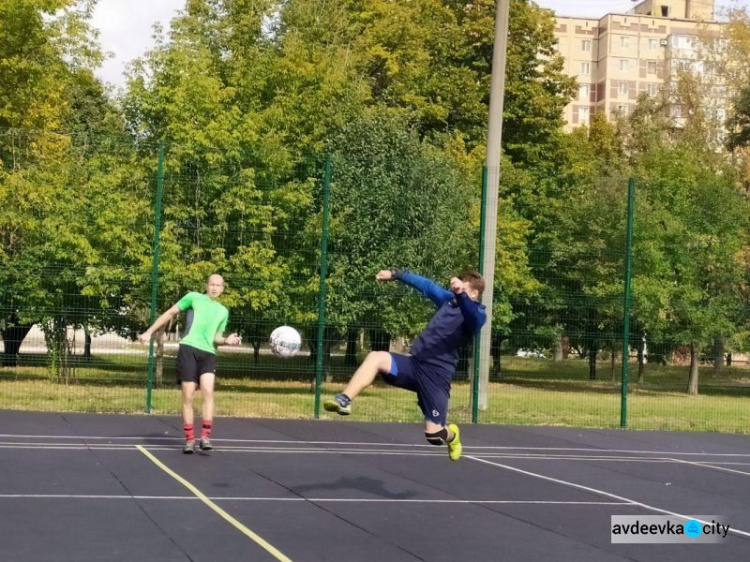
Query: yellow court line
[(236, 524)]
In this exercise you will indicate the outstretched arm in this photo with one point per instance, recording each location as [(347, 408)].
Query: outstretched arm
[(161, 321), (427, 287)]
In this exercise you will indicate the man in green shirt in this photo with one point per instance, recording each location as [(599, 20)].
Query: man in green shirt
[(196, 358)]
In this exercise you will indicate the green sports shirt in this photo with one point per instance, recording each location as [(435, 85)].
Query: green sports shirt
[(205, 318)]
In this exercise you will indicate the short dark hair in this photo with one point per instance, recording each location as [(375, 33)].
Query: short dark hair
[(474, 279)]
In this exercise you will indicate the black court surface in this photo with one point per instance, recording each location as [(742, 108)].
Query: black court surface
[(80, 488)]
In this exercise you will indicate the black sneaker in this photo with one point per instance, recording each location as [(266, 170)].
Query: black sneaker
[(341, 404), (189, 447), (206, 444)]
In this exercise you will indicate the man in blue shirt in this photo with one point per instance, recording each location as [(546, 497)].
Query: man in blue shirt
[(434, 355)]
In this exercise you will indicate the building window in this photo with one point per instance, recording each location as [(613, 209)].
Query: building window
[(665, 11), (624, 41), (583, 92), (622, 89), (586, 45), (681, 65), (682, 42), (651, 67), (653, 44), (721, 114), (622, 109), (583, 114), (586, 68), (652, 89), (624, 64)]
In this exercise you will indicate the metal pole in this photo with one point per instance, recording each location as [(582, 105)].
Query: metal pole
[(322, 286), (494, 142), (626, 305), (155, 273)]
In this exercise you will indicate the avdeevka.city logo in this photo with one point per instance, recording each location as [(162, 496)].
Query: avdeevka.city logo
[(697, 529), (694, 529)]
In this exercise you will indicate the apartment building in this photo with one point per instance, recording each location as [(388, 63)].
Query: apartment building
[(618, 56)]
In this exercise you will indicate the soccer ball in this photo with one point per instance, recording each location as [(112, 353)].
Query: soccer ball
[(285, 342)]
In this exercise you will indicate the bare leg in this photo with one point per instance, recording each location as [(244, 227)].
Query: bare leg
[(207, 390), (188, 392), (375, 363)]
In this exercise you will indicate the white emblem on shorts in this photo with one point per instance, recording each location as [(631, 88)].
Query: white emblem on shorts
[(435, 413)]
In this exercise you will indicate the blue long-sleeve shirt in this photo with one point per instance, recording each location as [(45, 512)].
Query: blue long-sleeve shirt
[(457, 320)]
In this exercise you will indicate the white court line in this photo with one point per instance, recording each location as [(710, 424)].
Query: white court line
[(380, 444), (300, 499), (274, 450), (342, 451), (712, 465), (601, 493)]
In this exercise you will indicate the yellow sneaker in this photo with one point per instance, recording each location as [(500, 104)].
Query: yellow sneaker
[(454, 447)]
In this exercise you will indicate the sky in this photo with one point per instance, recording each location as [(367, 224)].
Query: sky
[(126, 26)]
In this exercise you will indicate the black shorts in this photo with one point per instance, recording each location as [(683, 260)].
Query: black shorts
[(432, 389), (192, 363)]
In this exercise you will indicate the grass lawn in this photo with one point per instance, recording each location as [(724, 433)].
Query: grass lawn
[(529, 392)]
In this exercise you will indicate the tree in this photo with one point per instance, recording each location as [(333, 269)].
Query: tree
[(47, 52), (237, 196)]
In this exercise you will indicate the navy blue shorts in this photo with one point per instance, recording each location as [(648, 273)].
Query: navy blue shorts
[(433, 391)]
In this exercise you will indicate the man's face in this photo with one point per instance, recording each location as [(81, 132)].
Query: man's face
[(215, 286)]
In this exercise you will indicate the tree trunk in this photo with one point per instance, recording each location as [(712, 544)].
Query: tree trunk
[(159, 356), (496, 344), (641, 360), (718, 355), (327, 345), (58, 350), (380, 340), (256, 351), (729, 359), (557, 351), (352, 334), (13, 336), (87, 346), (593, 351), (612, 359), (693, 380)]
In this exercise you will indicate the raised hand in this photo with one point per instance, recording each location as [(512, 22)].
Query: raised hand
[(457, 286)]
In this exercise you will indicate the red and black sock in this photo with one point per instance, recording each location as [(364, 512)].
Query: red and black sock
[(206, 430), (189, 431)]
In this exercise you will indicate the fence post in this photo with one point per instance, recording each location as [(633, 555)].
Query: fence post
[(626, 306), (475, 374), (322, 286), (155, 272)]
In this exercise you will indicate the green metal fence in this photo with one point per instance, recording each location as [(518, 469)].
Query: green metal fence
[(105, 235)]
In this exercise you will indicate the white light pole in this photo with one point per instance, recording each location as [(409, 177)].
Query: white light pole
[(492, 163)]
